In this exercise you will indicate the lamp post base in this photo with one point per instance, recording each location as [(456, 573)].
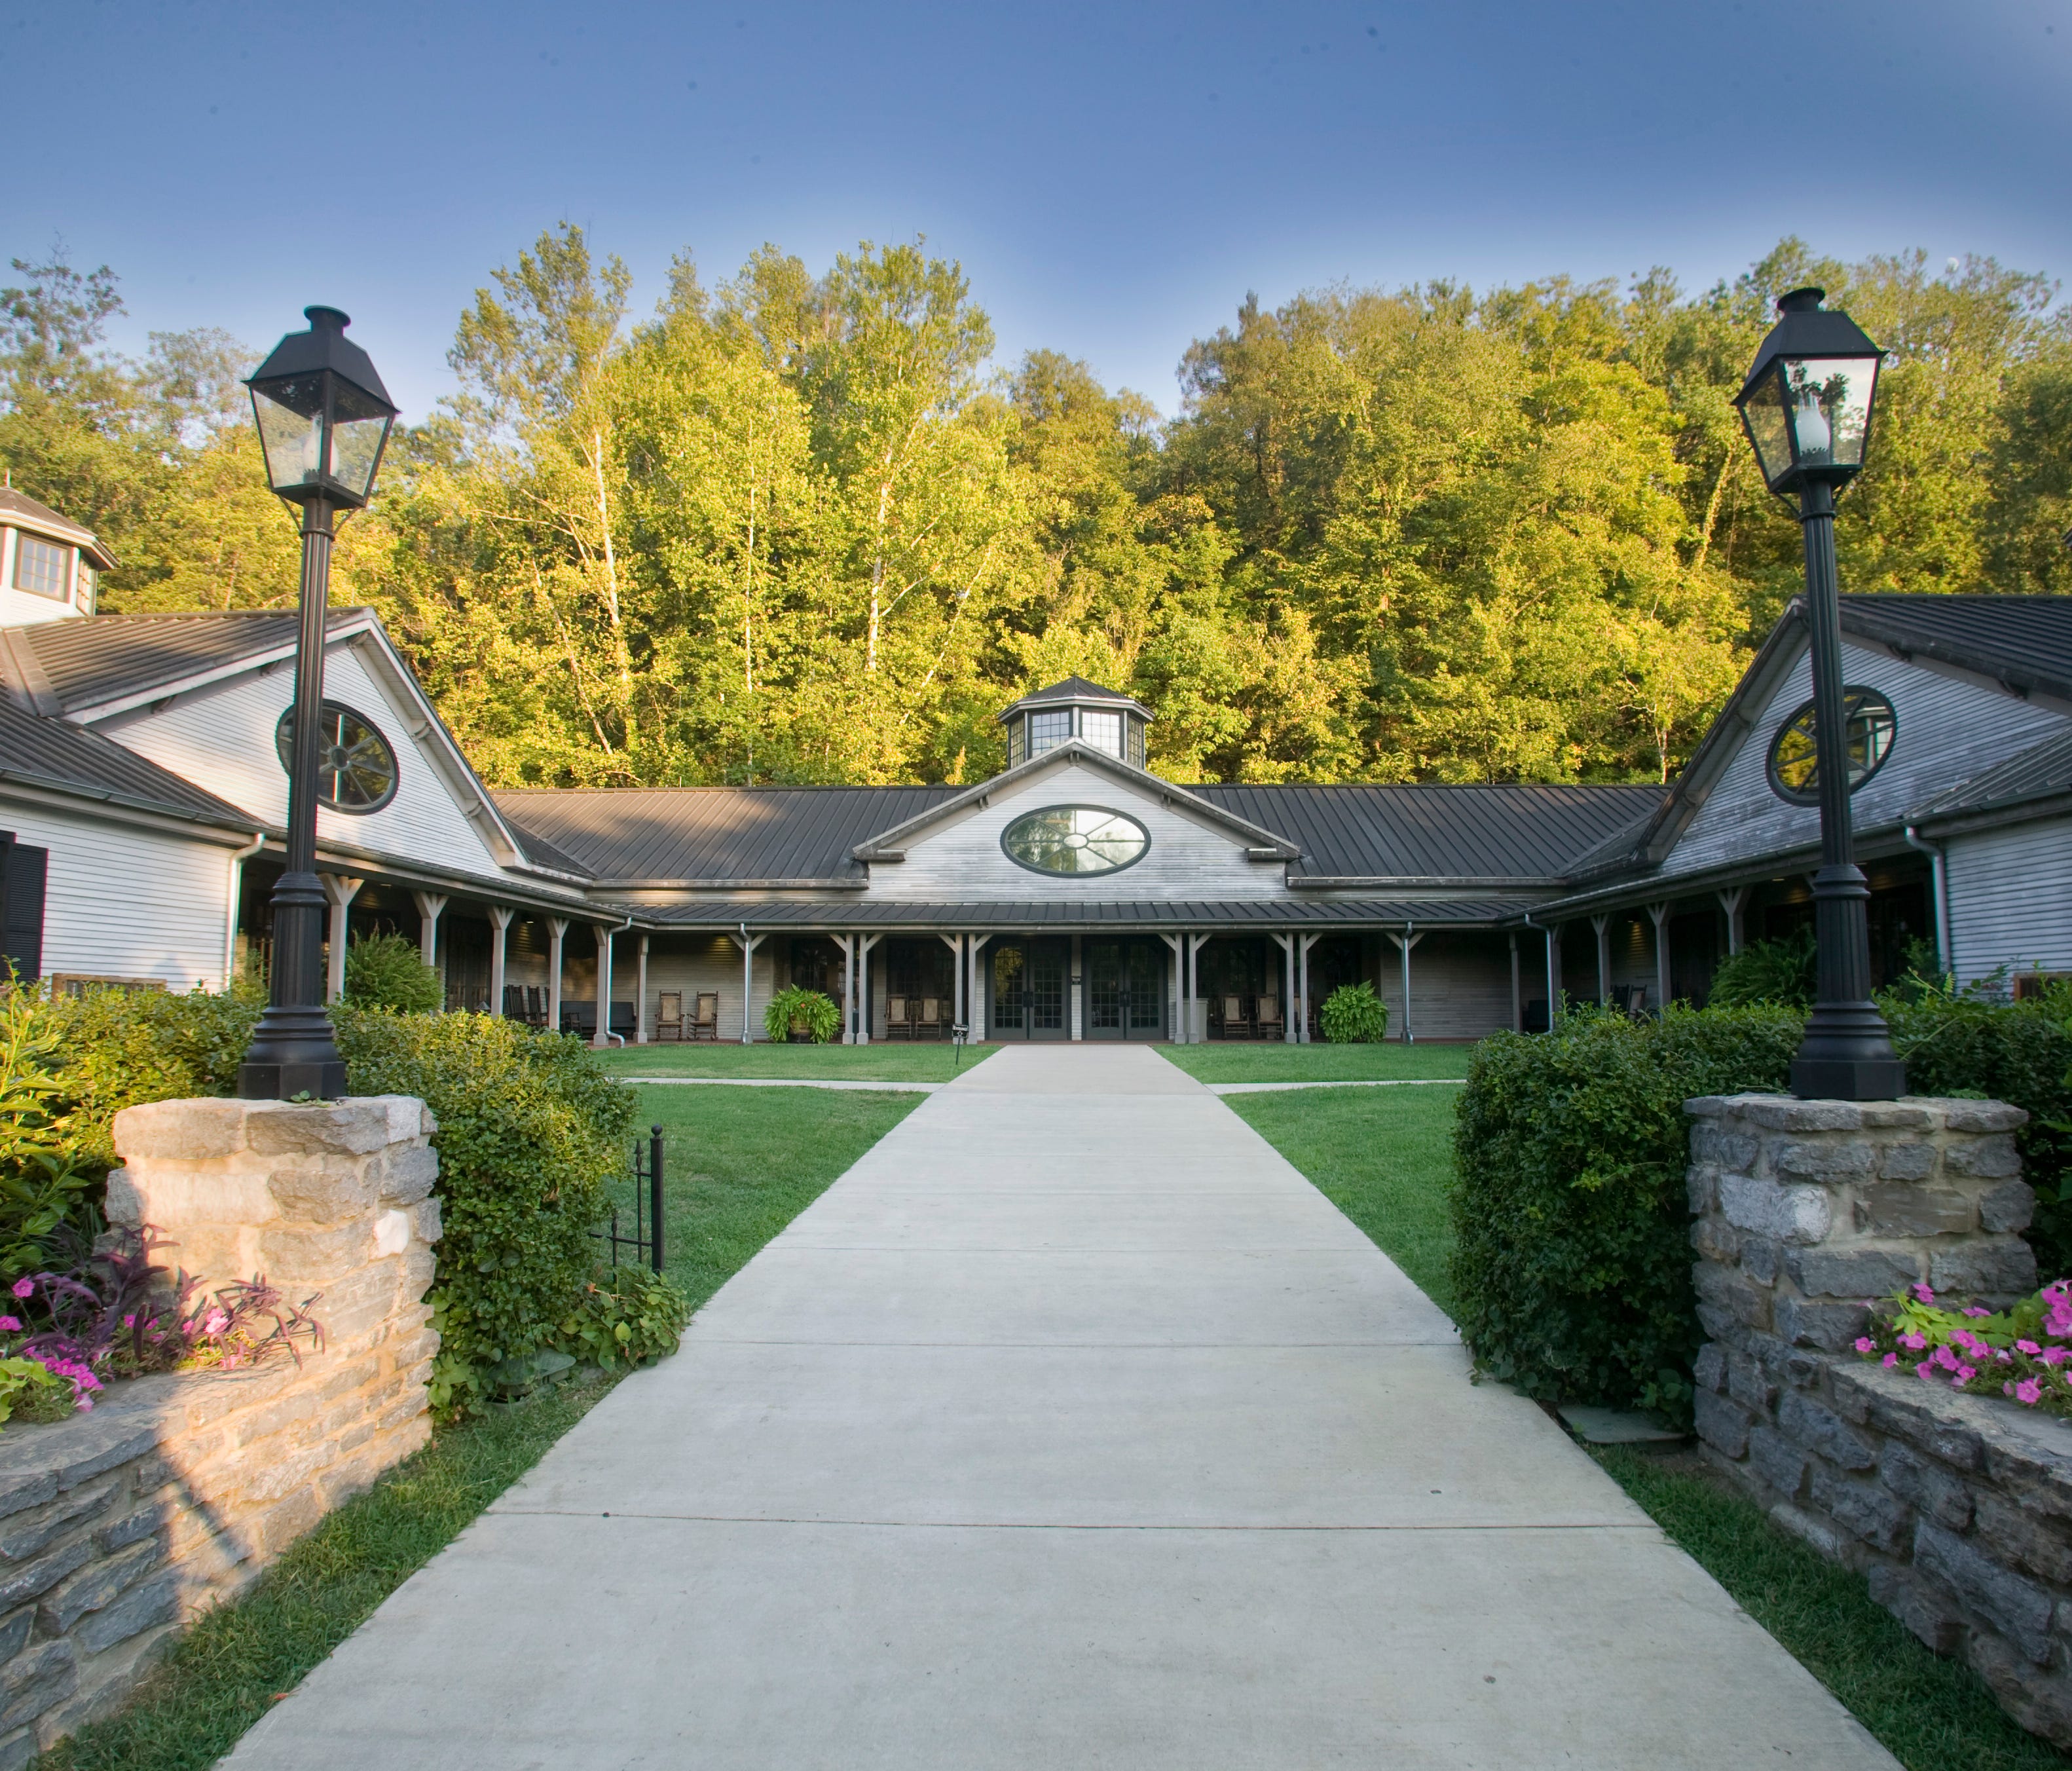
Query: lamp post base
[(1847, 1055), (292, 1053)]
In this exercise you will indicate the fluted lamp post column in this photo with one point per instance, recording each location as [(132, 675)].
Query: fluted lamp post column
[(1806, 407), (323, 418)]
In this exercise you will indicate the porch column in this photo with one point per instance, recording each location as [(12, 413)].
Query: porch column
[(956, 944), (600, 1039), (340, 890), (1660, 913), (1075, 972), (500, 932), (430, 904), (1304, 943), (1287, 988), (640, 997), (1406, 940), (747, 943), (1553, 975), (975, 984), (847, 943), (1517, 989), (1178, 998), (1602, 923), (1195, 943), (558, 929), (1731, 901), (864, 944)]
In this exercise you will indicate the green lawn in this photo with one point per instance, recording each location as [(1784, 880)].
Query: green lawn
[(877, 1063), (1263, 1062), (1381, 1155), (1384, 1156), (741, 1163)]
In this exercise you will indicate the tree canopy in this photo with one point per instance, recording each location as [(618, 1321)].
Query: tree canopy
[(802, 528)]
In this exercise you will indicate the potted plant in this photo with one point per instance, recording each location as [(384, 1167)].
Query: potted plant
[(802, 1015)]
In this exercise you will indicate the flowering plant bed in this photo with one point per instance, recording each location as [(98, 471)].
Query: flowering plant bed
[(116, 1313), (2023, 1352)]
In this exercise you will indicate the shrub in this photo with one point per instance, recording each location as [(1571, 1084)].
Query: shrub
[(1573, 1263), (815, 1013), (1782, 971), (629, 1320), (1969, 1042), (387, 971), (1353, 1014), (118, 1047), (531, 1129), (42, 1183), (30, 1390)]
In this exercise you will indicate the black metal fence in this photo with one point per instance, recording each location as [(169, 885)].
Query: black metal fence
[(644, 1246)]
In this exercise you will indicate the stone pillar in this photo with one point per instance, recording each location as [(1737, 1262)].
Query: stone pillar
[(1956, 1506), (122, 1524)]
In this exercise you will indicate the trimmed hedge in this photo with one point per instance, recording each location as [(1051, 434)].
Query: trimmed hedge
[(1573, 1263), (531, 1131)]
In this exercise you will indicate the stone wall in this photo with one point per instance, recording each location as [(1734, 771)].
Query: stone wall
[(118, 1525), (1957, 1508)]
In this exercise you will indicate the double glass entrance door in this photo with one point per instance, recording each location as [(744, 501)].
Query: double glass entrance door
[(1126, 989), (1028, 989)]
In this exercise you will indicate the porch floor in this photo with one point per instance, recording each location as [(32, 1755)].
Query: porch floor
[(1071, 1427)]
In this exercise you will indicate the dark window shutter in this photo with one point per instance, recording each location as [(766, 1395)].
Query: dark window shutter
[(22, 876)]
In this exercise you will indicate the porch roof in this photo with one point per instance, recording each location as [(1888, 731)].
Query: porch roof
[(1229, 915)]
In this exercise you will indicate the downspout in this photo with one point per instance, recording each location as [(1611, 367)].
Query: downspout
[(604, 941), (238, 861), (1940, 887)]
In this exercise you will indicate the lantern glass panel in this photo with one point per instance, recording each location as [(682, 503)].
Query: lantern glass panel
[(358, 424), (290, 415), (1768, 429), (1830, 407)]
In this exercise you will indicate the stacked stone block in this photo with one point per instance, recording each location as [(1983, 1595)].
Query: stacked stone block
[(118, 1525), (1958, 1508)]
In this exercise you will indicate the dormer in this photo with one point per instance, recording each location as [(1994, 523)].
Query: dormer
[(49, 566), (1075, 708)]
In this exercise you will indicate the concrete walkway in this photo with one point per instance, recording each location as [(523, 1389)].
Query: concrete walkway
[(1070, 1428)]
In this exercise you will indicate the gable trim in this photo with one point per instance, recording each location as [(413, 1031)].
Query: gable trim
[(1258, 844)]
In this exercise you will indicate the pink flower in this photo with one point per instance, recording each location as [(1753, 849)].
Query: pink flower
[(1923, 1295), (218, 1321), (1864, 1343), (25, 1288), (1924, 1370), (1914, 1343), (1974, 1310), (1965, 1374), (1890, 1360), (2028, 1347), (2029, 1392), (2055, 1356), (9, 1325), (1944, 1357)]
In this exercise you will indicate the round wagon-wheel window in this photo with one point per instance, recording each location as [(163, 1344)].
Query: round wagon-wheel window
[(1075, 841), (1794, 759), (356, 767)]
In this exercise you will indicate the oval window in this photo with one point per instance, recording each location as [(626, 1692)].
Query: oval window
[(1075, 840), (1794, 761), (355, 767)]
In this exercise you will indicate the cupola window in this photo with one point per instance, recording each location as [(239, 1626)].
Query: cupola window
[(41, 567)]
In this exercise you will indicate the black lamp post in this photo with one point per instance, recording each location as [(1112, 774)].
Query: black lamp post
[(323, 421), (1806, 406)]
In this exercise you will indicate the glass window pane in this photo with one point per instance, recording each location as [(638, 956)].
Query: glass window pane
[(1017, 747), (289, 437), (354, 449), (1830, 408), (1075, 840), (41, 567), (1768, 430), (1136, 742), (1103, 732), (1046, 731)]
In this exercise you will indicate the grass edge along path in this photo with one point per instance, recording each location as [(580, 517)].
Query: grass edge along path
[(919, 1061), (767, 1155), (1264, 1060), (1384, 1157)]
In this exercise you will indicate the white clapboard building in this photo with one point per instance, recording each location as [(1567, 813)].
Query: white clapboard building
[(1074, 895)]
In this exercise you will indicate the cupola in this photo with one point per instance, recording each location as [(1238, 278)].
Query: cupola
[(1098, 718), (48, 564)]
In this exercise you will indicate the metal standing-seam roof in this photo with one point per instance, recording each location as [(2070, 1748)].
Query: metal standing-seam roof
[(36, 751), (720, 834), (2042, 772), (2028, 639), (1438, 832), (1030, 915), (105, 657)]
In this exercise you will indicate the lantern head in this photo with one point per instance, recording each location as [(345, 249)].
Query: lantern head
[(323, 414), (1806, 403)]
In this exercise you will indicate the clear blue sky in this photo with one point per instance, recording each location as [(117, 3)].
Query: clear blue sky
[(1114, 177)]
